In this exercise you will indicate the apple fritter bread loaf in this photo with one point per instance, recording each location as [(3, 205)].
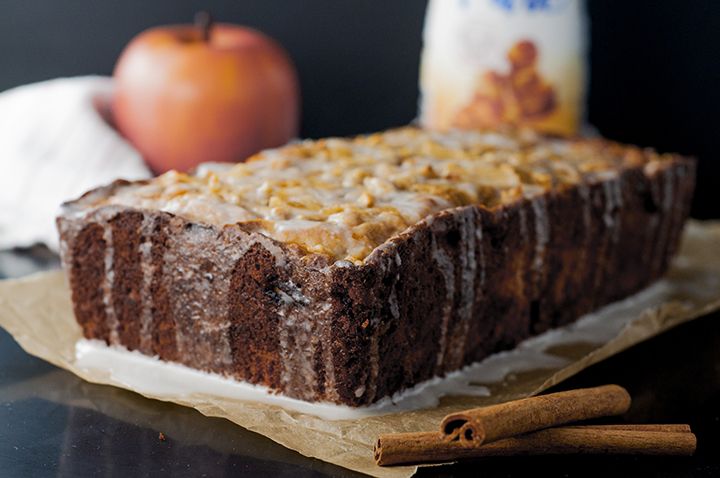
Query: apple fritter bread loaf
[(347, 270)]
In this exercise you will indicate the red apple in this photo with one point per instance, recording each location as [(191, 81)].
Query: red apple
[(187, 94)]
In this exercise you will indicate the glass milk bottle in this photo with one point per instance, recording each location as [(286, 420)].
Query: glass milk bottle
[(491, 64)]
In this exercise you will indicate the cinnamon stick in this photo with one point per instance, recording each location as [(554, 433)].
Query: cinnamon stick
[(432, 447), (488, 424)]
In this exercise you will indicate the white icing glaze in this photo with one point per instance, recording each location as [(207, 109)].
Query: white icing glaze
[(148, 375), (324, 325), (299, 341), (668, 198), (613, 203), (202, 316), (148, 270), (456, 346), (584, 192), (345, 197), (651, 237), (481, 250), (525, 237), (678, 203), (612, 198), (380, 328), (542, 237), (370, 385), (447, 270), (107, 283)]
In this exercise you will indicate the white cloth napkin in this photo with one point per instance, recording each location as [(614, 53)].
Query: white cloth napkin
[(55, 146)]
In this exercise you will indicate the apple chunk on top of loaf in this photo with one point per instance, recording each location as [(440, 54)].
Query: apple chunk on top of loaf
[(348, 270)]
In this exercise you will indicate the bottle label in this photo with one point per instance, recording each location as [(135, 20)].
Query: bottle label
[(497, 63)]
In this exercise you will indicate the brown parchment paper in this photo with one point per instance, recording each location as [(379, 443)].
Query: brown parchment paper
[(36, 311)]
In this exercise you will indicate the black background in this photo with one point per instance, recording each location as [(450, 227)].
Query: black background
[(655, 68), (654, 74)]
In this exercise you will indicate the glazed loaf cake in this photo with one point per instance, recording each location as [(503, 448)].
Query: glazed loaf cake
[(347, 270)]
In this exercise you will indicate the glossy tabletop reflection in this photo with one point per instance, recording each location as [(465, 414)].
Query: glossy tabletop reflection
[(55, 424)]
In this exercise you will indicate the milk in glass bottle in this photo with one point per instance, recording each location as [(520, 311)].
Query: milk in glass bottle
[(489, 64)]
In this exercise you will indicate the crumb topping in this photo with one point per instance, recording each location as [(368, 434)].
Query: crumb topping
[(344, 197)]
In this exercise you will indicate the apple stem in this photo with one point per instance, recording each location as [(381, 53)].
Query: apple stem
[(204, 21)]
